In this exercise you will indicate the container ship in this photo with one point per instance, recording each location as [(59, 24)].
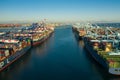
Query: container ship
[(15, 43), (37, 33), (80, 30), (103, 44), (11, 50)]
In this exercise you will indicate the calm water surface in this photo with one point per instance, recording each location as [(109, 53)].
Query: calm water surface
[(61, 57)]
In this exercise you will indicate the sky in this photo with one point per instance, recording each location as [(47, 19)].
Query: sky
[(59, 10)]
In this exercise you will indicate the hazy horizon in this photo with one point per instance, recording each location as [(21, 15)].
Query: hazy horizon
[(59, 10)]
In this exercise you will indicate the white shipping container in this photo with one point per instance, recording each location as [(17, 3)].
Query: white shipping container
[(6, 52)]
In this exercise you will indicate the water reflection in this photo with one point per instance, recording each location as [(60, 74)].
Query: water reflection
[(43, 49), (81, 43)]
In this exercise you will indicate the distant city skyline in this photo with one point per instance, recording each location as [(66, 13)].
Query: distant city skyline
[(59, 10)]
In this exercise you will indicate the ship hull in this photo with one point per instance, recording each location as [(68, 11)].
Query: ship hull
[(35, 43), (8, 61), (77, 34), (96, 56), (114, 71)]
